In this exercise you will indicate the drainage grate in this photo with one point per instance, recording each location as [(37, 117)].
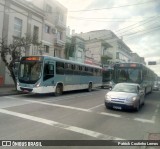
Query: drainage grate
[(154, 136)]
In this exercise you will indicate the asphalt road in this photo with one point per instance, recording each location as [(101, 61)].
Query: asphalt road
[(76, 115)]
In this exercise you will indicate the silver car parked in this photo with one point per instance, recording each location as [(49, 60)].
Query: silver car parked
[(125, 96)]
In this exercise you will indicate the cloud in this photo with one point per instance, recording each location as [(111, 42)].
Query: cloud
[(142, 36)]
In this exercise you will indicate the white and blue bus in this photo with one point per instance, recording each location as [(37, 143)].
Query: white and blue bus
[(135, 73), (46, 74)]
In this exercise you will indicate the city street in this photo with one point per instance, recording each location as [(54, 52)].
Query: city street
[(76, 115)]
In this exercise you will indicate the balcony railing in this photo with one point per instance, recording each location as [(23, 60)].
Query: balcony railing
[(108, 54), (59, 23), (58, 42)]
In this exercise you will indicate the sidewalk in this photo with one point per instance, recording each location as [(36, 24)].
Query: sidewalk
[(8, 90)]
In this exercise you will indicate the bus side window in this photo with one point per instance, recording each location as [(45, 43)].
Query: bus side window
[(48, 71), (60, 68), (76, 70), (68, 69), (144, 73)]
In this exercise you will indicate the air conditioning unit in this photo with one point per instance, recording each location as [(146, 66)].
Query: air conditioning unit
[(54, 30)]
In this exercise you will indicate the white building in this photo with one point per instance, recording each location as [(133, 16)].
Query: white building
[(95, 49), (54, 26), (120, 51)]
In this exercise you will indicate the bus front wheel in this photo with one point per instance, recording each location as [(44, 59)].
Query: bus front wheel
[(58, 90)]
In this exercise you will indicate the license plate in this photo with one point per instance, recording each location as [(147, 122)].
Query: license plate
[(25, 91), (117, 107)]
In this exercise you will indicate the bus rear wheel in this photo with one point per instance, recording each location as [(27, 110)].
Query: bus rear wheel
[(58, 90), (90, 87)]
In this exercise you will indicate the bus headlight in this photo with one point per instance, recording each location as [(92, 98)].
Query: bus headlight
[(38, 84), (110, 83)]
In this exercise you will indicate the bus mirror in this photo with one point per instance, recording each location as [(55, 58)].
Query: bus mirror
[(141, 92)]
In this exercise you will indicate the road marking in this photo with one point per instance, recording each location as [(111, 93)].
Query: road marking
[(10, 97), (73, 96), (83, 131), (74, 108), (88, 110), (155, 113), (55, 99), (96, 107), (144, 120), (110, 114), (58, 105)]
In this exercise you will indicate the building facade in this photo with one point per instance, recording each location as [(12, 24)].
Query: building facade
[(96, 50), (77, 49), (120, 51), (137, 58), (18, 19), (54, 26)]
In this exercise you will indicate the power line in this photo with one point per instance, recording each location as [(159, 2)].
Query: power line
[(121, 34), (82, 19), (134, 25), (107, 18), (141, 31), (111, 7), (143, 34)]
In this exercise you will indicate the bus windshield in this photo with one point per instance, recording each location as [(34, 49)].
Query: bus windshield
[(30, 72), (131, 75)]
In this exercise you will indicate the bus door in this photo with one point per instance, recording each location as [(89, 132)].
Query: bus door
[(48, 73)]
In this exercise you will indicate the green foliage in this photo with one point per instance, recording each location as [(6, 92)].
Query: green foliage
[(69, 50)]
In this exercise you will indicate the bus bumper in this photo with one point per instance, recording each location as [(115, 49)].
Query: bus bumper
[(39, 90)]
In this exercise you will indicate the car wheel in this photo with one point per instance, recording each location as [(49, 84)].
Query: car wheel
[(107, 107), (138, 106)]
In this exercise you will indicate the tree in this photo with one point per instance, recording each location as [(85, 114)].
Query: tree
[(15, 50), (69, 49)]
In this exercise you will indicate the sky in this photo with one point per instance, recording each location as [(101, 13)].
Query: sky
[(136, 21)]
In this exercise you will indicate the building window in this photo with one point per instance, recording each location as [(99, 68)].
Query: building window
[(48, 8), (46, 49), (17, 27), (60, 35), (47, 29), (79, 54), (35, 34), (57, 53), (61, 18)]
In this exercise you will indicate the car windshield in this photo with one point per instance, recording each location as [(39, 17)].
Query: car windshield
[(125, 88)]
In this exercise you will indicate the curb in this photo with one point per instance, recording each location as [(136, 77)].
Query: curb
[(10, 94)]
